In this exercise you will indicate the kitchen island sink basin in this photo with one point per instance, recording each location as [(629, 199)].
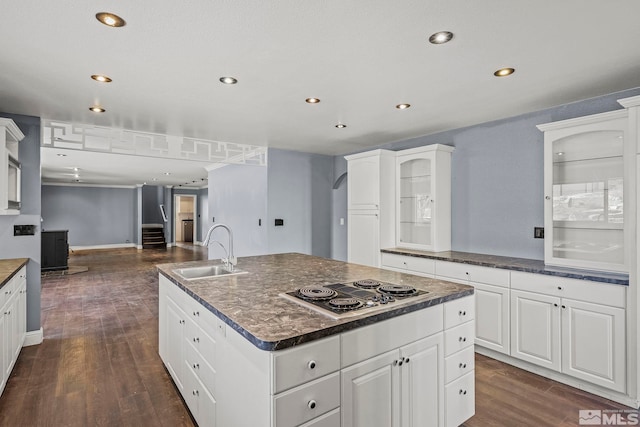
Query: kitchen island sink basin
[(206, 272)]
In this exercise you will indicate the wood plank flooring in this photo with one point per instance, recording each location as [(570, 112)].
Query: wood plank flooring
[(99, 363)]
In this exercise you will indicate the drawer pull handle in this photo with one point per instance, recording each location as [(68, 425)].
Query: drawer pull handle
[(462, 313), (462, 339), (196, 339), (462, 366), (196, 393), (312, 364), (196, 366), (312, 404), (463, 392)]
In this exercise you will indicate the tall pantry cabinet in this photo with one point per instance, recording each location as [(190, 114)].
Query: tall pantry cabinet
[(371, 219)]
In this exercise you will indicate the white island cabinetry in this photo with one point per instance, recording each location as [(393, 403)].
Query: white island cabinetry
[(354, 378), (13, 322)]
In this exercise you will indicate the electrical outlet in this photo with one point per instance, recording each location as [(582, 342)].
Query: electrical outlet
[(538, 232)]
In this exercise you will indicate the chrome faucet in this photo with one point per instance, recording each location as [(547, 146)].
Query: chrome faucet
[(230, 261)]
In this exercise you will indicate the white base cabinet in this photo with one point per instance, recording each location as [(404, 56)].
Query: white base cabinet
[(350, 379), (576, 327), (13, 323)]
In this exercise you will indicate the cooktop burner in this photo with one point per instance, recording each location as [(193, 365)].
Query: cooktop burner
[(341, 300)]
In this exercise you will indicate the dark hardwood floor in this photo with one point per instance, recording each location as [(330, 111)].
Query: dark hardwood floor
[(99, 363)]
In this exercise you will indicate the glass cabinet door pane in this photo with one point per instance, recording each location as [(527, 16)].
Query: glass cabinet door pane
[(588, 197), (415, 201)]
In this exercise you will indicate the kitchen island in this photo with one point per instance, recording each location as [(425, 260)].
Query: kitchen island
[(242, 354)]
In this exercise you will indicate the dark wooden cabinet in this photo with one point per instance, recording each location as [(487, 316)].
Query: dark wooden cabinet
[(55, 250)]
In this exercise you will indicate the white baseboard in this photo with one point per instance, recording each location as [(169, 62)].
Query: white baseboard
[(111, 246), (33, 338)]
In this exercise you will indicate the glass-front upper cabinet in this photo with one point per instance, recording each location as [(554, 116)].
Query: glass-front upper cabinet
[(423, 207), (585, 192)]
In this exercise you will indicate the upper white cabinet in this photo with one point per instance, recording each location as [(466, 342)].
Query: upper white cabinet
[(585, 191), (10, 135), (423, 195)]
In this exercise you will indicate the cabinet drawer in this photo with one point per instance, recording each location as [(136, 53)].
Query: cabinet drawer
[(308, 401), (200, 366), (459, 364), (473, 273), (460, 400), (423, 266), (459, 311), (330, 419), (581, 290), (368, 341), (305, 363), (458, 338), (8, 290)]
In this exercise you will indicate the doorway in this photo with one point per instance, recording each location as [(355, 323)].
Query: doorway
[(185, 220)]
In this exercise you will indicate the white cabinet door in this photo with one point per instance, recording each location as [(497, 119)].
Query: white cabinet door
[(535, 328), (22, 314), (593, 347), (16, 324), (363, 183), (364, 235), (492, 317), (174, 339), (4, 361), (371, 393), (422, 383)]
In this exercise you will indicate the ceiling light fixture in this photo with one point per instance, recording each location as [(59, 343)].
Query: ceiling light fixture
[(403, 106), (341, 126), (312, 100), (229, 80), (503, 72), (97, 109), (110, 19), (167, 173), (101, 78), (441, 37)]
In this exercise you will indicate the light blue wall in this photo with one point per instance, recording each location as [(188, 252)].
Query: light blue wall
[(238, 198), (93, 215), (497, 179), (339, 210), (26, 246), (299, 192)]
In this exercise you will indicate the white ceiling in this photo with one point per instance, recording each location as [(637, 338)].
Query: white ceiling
[(360, 57)]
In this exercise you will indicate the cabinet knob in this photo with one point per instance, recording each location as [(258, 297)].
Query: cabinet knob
[(462, 313), (547, 197), (462, 339), (311, 364), (559, 288), (395, 362), (462, 365), (312, 404), (555, 305), (406, 360), (564, 306), (463, 392), (401, 361)]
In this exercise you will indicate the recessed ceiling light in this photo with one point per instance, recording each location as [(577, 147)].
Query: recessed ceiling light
[(403, 106), (229, 80), (61, 155), (503, 72), (341, 126), (101, 78), (97, 109), (312, 100), (167, 173), (560, 153), (155, 179), (441, 37), (110, 19)]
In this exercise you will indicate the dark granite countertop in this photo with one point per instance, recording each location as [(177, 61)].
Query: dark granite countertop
[(9, 267), (251, 305), (516, 264)]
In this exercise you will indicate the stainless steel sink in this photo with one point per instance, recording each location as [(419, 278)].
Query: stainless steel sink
[(206, 272)]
